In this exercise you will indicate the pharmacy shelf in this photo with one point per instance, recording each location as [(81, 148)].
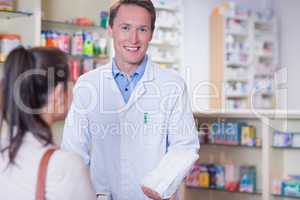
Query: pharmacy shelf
[(232, 145), (165, 7), (237, 33), (243, 80), (166, 48), (236, 64), (241, 18), (250, 114), (266, 94), (266, 75), (263, 21), (264, 38), (236, 51), (236, 96), (13, 14), (163, 61), (88, 57), (222, 190), (163, 43), (239, 43), (166, 26), (264, 157), (285, 196), (64, 25), (288, 148), (265, 55)]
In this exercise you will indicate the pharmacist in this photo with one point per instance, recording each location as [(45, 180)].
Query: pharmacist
[(130, 120)]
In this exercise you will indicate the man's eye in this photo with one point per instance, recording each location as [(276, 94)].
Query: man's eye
[(143, 29), (125, 28)]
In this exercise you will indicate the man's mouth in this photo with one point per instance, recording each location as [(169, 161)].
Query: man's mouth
[(132, 49)]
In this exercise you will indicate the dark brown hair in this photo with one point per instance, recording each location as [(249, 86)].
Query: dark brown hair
[(146, 4), (32, 93)]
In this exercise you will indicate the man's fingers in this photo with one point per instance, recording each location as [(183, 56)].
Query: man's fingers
[(173, 197), (151, 194)]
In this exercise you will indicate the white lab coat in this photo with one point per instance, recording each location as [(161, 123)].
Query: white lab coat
[(129, 140)]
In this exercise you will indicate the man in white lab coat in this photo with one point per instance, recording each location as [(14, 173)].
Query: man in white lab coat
[(130, 120)]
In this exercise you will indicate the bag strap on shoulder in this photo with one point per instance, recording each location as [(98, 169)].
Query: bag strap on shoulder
[(41, 180)]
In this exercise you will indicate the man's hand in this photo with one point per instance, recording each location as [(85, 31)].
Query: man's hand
[(152, 194)]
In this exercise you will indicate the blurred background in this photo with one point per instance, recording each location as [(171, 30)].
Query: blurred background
[(239, 59)]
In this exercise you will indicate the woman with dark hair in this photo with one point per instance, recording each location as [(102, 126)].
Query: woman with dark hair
[(34, 95)]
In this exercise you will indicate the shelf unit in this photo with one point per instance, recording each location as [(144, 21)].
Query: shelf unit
[(89, 57), (286, 159), (243, 46), (56, 25), (161, 5), (12, 22), (286, 148), (264, 157), (68, 26), (285, 197), (28, 22), (54, 15), (223, 191), (13, 14), (70, 29), (165, 48), (230, 146)]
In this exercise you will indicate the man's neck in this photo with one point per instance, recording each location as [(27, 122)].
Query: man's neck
[(128, 68)]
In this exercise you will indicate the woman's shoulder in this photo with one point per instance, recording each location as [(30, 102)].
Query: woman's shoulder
[(66, 166), (68, 177), (65, 159)]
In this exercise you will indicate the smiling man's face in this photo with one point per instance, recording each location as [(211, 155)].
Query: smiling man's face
[(131, 33)]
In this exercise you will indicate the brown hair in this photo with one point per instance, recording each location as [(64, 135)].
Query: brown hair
[(33, 93), (146, 4)]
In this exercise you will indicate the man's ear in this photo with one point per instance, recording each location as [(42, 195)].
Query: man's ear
[(110, 31), (151, 35)]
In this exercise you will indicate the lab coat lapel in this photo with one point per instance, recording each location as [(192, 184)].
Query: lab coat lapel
[(116, 93), (140, 88)]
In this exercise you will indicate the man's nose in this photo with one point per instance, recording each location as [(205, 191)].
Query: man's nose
[(133, 37)]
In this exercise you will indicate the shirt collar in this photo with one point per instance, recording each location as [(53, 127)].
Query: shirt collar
[(139, 71)]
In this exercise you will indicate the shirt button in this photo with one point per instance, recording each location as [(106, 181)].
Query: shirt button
[(126, 89)]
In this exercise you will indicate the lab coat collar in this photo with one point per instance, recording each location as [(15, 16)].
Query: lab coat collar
[(139, 71), (140, 88), (148, 74)]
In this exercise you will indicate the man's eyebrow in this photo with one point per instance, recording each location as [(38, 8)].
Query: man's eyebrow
[(138, 26), (124, 24), (144, 26)]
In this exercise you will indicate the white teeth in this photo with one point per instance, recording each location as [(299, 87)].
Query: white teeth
[(132, 48)]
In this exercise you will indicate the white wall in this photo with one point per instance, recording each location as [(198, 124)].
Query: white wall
[(288, 14), (196, 44), (196, 60)]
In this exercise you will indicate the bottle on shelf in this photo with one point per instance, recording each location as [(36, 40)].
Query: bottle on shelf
[(247, 40), (7, 5), (227, 177), (7, 43), (166, 42)]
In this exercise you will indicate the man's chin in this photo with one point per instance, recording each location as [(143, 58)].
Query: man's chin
[(136, 61)]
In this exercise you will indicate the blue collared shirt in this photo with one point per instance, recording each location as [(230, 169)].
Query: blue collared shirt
[(127, 83)]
